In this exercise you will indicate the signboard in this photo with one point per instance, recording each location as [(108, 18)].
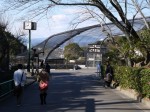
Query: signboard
[(28, 25)]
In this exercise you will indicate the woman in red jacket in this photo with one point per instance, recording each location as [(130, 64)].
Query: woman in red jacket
[(43, 85)]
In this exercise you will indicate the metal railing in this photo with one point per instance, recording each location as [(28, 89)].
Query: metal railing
[(6, 88)]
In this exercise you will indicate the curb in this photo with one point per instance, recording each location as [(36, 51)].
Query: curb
[(146, 102), (134, 95)]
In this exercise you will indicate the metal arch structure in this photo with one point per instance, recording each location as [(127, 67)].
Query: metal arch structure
[(88, 34)]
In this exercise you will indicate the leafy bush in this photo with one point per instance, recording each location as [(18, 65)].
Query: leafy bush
[(145, 79), (134, 78), (121, 74)]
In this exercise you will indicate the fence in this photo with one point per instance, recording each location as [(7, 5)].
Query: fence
[(6, 88)]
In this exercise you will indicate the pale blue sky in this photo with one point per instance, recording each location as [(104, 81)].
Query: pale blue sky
[(58, 20)]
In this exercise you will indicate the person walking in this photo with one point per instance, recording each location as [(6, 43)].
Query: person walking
[(43, 85), (19, 82), (99, 69), (47, 68), (109, 75), (42, 64)]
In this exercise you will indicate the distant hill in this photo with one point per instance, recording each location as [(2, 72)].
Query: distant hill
[(35, 41)]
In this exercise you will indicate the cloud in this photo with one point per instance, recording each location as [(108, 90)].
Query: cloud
[(56, 24), (59, 23), (59, 18), (72, 10)]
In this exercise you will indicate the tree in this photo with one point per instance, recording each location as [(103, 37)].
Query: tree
[(120, 50), (144, 45), (138, 8), (72, 51), (9, 45), (125, 26)]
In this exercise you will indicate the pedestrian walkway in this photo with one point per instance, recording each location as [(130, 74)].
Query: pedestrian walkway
[(30, 79), (74, 91)]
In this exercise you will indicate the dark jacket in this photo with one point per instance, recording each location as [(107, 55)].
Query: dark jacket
[(47, 68), (109, 69)]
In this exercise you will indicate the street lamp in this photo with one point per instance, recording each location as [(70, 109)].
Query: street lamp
[(28, 25)]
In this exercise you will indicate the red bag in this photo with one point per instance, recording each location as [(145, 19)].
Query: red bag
[(43, 85)]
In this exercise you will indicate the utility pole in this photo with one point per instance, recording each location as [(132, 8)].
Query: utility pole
[(29, 50), (28, 25)]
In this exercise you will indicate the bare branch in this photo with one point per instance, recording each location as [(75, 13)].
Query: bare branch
[(139, 10)]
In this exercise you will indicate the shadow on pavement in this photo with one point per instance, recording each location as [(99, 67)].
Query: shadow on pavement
[(72, 92)]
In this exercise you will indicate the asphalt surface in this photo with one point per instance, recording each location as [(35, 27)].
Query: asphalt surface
[(74, 91)]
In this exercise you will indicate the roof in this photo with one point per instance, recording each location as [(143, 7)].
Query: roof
[(84, 36)]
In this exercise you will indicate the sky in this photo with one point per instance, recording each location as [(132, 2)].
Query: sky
[(56, 21), (59, 22)]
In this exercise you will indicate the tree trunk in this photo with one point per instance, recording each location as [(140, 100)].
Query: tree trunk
[(147, 60), (128, 62)]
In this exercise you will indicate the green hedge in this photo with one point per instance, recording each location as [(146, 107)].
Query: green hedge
[(133, 78)]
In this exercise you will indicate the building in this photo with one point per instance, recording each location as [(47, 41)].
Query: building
[(95, 54)]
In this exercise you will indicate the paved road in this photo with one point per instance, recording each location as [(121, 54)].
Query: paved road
[(74, 91)]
